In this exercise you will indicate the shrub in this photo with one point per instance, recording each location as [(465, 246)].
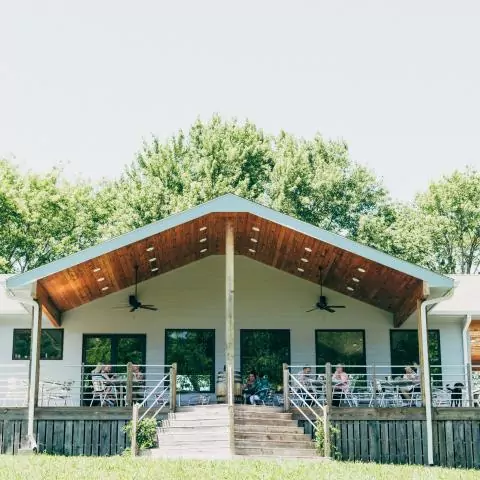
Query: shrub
[(320, 439), (146, 433)]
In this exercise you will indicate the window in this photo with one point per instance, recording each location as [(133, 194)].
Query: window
[(340, 346), (51, 344), (113, 349), (404, 351), (265, 351), (194, 353)]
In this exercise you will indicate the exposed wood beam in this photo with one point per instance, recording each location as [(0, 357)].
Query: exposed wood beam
[(419, 292), (49, 308)]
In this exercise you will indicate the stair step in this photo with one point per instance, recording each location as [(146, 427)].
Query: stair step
[(266, 421), (276, 452), (258, 408), (198, 430), (216, 454), (198, 423), (295, 444), (254, 415), (267, 428), (264, 436)]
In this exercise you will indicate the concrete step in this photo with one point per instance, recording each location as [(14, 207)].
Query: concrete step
[(207, 454), (265, 421), (258, 408), (248, 428), (264, 436), (295, 444), (202, 408), (193, 443), (276, 452)]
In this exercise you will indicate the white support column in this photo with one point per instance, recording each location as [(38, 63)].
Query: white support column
[(230, 327), (34, 369)]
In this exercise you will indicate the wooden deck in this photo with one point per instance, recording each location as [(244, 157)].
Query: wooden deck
[(383, 435)]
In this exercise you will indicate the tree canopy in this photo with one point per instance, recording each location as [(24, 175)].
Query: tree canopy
[(43, 217)]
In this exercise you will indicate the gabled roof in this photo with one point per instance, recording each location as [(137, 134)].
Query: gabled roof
[(230, 203), (266, 235), (466, 300)]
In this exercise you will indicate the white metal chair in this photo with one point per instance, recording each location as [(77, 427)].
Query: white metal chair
[(102, 392)]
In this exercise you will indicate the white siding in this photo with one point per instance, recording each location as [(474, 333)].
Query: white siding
[(193, 297)]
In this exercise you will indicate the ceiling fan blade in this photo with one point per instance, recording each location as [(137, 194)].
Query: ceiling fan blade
[(311, 310), (149, 307), (329, 309), (337, 306)]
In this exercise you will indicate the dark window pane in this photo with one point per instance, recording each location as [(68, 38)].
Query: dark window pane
[(97, 350), (265, 351), (404, 350), (51, 344), (21, 344), (194, 353), (130, 349), (340, 346)]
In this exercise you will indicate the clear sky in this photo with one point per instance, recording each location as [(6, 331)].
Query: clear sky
[(83, 82)]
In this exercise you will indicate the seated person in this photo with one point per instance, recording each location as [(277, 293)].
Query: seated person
[(250, 389), (340, 385), (263, 388), (411, 375)]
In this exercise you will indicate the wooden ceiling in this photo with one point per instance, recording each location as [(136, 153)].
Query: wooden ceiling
[(255, 237)]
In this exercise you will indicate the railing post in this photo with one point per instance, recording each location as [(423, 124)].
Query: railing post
[(286, 399), (469, 384), (128, 400), (173, 387), (133, 444), (374, 385), (326, 432), (328, 383), (82, 383)]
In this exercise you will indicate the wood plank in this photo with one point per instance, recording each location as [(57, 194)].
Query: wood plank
[(401, 440), (364, 440), (8, 427), (417, 442), (392, 433), (1, 436), (104, 438), (449, 439), (351, 441), (68, 442), (59, 437), (468, 444), (87, 444), (442, 446), (374, 441), (410, 450), (459, 444), (356, 432), (78, 440), (41, 432), (95, 438), (344, 439), (49, 306), (17, 424), (49, 436), (476, 443), (385, 442)]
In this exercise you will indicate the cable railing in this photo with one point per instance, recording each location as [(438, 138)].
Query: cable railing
[(300, 396), (384, 386), (14, 385)]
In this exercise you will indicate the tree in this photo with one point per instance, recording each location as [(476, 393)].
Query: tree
[(440, 230), (316, 181), (44, 218)]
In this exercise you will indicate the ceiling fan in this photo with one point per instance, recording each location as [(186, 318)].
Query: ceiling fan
[(322, 303), (133, 302)]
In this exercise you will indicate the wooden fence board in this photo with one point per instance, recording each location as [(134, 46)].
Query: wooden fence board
[(402, 453), (78, 441), (87, 449), (95, 438), (356, 433), (450, 457), (49, 436), (351, 441), (468, 444), (8, 436), (1, 436), (17, 425), (58, 437), (476, 443), (68, 447), (385, 442), (417, 442), (459, 443), (104, 438)]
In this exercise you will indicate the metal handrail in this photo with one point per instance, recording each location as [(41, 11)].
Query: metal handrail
[(144, 402), (295, 396)]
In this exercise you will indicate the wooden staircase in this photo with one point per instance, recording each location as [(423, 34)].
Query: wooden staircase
[(202, 432), (269, 432)]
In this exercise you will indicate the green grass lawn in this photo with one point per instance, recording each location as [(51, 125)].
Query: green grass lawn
[(73, 468)]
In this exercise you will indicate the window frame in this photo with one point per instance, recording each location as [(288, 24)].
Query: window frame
[(247, 330), (436, 330), (114, 337), (15, 330), (212, 377), (340, 330)]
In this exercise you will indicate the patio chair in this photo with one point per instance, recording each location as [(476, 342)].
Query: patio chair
[(102, 392), (60, 392)]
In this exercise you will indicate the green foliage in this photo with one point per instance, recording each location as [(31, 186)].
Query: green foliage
[(320, 439), (146, 433)]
